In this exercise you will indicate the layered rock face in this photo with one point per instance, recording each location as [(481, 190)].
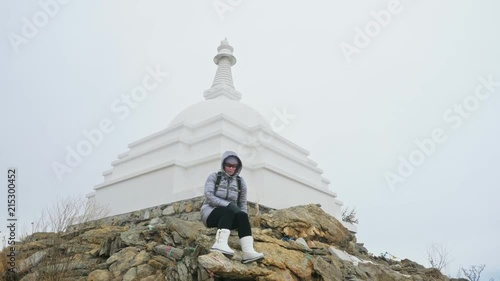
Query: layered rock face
[(169, 242)]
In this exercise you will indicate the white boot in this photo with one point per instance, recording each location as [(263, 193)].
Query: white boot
[(220, 244), (249, 254)]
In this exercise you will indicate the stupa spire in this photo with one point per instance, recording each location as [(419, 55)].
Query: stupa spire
[(223, 81)]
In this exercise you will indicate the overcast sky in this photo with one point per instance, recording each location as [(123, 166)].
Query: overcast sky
[(397, 101)]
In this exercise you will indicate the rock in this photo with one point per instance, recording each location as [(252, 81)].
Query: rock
[(280, 275), (38, 236), (141, 258), (155, 221), (303, 242), (156, 212), (203, 274), (406, 264), (177, 238), (131, 275), (164, 261), (100, 275), (144, 270), (94, 252), (32, 260), (156, 265), (169, 252), (220, 265), (96, 236), (150, 246), (168, 211), (110, 246), (307, 221), (186, 229), (339, 254), (30, 277), (194, 216), (133, 237), (35, 245), (182, 271), (433, 273), (360, 248), (188, 208), (191, 263), (291, 245), (177, 248), (168, 240), (147, 215), (298, 262), (197, 206), (329, 272), (122, 261), (116, 245), (396, 267)]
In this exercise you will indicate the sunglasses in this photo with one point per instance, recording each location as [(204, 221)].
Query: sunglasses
[(231, 165)]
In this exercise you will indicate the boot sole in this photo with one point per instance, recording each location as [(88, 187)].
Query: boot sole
[(227, 254), (252, 260)]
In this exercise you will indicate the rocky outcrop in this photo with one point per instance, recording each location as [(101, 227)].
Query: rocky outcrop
[(170, 243)]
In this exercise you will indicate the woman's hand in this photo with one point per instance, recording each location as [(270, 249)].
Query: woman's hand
[(233, 208)]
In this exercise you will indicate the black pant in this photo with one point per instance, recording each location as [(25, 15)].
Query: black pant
[(223, 218)]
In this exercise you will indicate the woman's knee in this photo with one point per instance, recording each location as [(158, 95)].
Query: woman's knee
[(228, 213), (241, 215)]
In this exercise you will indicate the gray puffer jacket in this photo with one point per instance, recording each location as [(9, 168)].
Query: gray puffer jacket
[(227, 191)]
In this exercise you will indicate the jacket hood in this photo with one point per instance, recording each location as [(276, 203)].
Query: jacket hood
[(227, 154)]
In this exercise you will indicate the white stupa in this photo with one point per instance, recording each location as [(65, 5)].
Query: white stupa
[(173, 164)]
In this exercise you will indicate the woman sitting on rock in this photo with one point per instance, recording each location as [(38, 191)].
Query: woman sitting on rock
[(225, 207)]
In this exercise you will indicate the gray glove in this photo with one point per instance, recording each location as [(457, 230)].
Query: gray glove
[(233, 208)]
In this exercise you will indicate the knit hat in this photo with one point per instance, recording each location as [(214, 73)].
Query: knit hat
[(231, 160)]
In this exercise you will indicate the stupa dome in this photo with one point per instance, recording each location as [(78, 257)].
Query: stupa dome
[(211, 108)]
